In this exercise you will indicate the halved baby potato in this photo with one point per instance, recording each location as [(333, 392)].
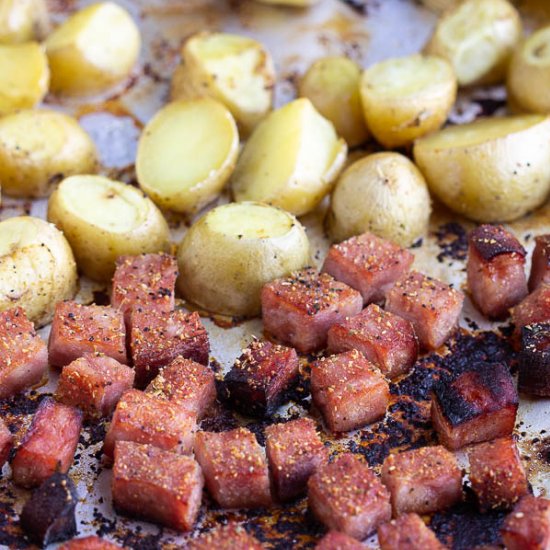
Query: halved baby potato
[(187, 153), (38, 148), (92, 50), (24, 76), (235, 70), (407, 97), (104, 219), (23, 21), (332, 85), (231, 252), (291, 160), (490, 170), (477, 37), (37, 267)]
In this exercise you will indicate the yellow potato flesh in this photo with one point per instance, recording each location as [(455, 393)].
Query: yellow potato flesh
[(22, 20), (187, 153)]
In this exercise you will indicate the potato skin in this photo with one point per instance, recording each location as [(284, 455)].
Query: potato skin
[(37, 267), (224, 271), (383, 193), (97, 229), (23, 21), (38, 148)]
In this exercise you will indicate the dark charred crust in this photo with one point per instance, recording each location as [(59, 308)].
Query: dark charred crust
[(534, 364), (452, 240), (491, 241)]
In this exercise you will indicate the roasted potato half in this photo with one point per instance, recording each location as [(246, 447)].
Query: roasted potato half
[(104, 219), (23, 21), (332, 85), (407, 97), (477, 37), (235, 70), (187, 153), (37, 267), (39, 148), (231, 252), (25, 76), (92, 50), (490, 170), (291, 159), (383, 193)]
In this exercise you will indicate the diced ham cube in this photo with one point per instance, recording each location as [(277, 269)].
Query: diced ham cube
[(189, 383), (369, 264), (407, 532), (534, 360), (384, 338), (6, 442), (23, 355), (534, 309), (474, 406), (226, 537), (147, 280), (422, 480), (94, 383), (234, 467), (156, 485), (294, 451), (156, 340), (334, 540), (143, 418), (540, 262), (496, 270), (299, 310), (78, 329), (432, 307), (527, 527), (496, 473), (347, 496), (257, 382), (89, 543), (49, 444), (349, 391)]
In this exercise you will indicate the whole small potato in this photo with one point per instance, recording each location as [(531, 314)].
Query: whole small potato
[(332, 85), (235, 70), (37, 267), (24, 76), (104, 219), (93, 50), (477, 37), (408, 97), (187, 153), (231, 252), (291, 160), (490, 170), (384, 194), (23, 21), (40, 148)]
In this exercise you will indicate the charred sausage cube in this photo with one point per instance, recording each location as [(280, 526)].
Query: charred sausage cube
[(385, 339), (533, 309), (144, 418), (349, 391), (6, 442), (299, 310), (294, 451), (89, 543), (334, 540), (534, 360), (369, 264), (94, 383), (48, 445), (496, 270), (527, 527), (477, 405), (78, 329), (226, 537), (257, 382), (234, 467), (23, 355), (187, 382), (540, 262), (407, 532), (156, 340), (347, 496), (496, 473), (147, 280), (432, 307), (156, 485), (422, 480)]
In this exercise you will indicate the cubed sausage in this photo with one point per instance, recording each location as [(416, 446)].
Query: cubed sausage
[(407, 532), (6, 443), (540, 262), (534, 360), (533, 309), (226, 537), (334, 540), (527, 527), (89, 543)]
